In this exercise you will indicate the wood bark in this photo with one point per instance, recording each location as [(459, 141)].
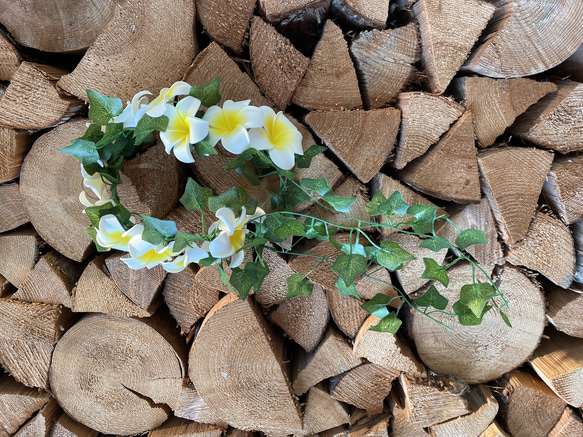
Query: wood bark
[(19, 251), (14, 145), (323, 412), (10, 58), (562, 188), (12, 215), (362, 13)]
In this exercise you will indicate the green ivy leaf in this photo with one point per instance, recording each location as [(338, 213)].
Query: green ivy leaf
[(390, 323), (147, 125), (466, 316), (156, 230), (349, 267), (288, 174), (205, 262), (251, 276), (234, 199), (377, 306), (305, 160), (112, 131), (103, 109), (248, 173), (314, 228), (93, 133), (346, 291), (92, 232), (94, 213), (435, 244), (349, 248), (204, 148), (423, 218), (277, 228), (184, 239), (84, 151), (298, 285), (476, 296), (469, 237), (319, 185), (432, 298), (294, 196), (392, 256), (245, 156), (257, 241), (195, 197), (379, 205), (435, 272), (505, 318), (209, 94), (261, 160), (339, 203)]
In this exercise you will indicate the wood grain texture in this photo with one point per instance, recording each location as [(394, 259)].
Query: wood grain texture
[(362, 13), (10, 58), (12, 214), (323, 412), (19, 251), (563, 188)]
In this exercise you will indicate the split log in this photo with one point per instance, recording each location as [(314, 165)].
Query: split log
[(64, 426), (547, 248), (558, 361), (116, 375), (96, 292), (376, 426), (332, 357), (27, 339), (577, 230), (384, 62), (495, 103), (484, 408), (187, 221), (424, 119), (42, 422), (12, 214), (512, 180), (494, 430), (444, 51), (323, 412), (32, 101), (278, 70), (562, 188), (159, 38), (401, 426), (572, 66), (564, 309), (14, 145), (338, 431), (449, 169), (555, 121), (6, 288), (19, 251), (527, 406), (51, 280), (17, 404), (363, 140), (569, 425), (223, 365), (50, 183), (484, 352), (543, 34), (304, 318), (330, 81), (361, 14), (192, 407), (177, 427), (294, 12), (274, 287), (10, 58)]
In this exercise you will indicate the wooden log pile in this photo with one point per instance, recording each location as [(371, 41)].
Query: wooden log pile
[(475, 106)]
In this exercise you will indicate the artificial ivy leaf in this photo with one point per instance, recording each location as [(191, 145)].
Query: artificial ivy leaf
[(209, 94), (298, 285), (84, 151), (377, 306), (469, 237), (376, 206), (204, 148), (432, 298), (184, 239), (234, 199), (103, 109), (314, 228), (245, 156), (94, 213), (392, 256), (147, 125), (390, 323), (156, 230), (380, 205), (435, 272), (205, 262), (93, 133), (251, 276), (261, 160), (346, 291), (349, 248), (92, 232), (248, 173), (423, 218), (349, 267), (319, 185), (476, 296), (304, 161), (288, 174), (112, 131), (505, 318), (195, 197), (294, 196), (435, 244), (466, 316), (257, 241), (289, 227), (339, 203)]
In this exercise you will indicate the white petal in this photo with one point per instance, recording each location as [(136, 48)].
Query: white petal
[(229, 105), (252, 117), (157, 109), (199, 129), (134, 263), (221, 246), (214, 116), (237, 259), (236, 141), (258, 213), (188, 106), (179, 88), (195, 254), (175, 266), (211, 230), (284, 159), (242, 218), (258, 139), (84, 199), (227, 216), (183, 153), (138, 247)]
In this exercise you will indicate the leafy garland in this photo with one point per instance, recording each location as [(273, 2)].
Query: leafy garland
[(266, 144)]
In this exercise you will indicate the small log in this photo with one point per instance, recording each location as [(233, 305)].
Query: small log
[(433, 400), (330, 81), (12, 214), (161, 39), (6, 288), (14, 145), (548, 248), (384, 62), (425, 118), (323, 412), (332, 357), (51, 280), (279, 70), (362, 14), (449, 169), (494, 430), (401, 426), (10, 58), (338, 431), (19, 251), (135, 374), (365, 386), (376, 426), (187, 221), (385, 349), (562, 188), (64, 426), (223, 365), (577, 231), (572, 66), (445, 51), (528, 407), (495, 103), (558, 361), (555, 121), (17, 404), (211, 278), (27, 339), (543, 34), (363, 140), (475, 353), (274, 288), (304, 318), (32, 101), (569, 425), (178, 427), (42, 422), (50, 183), (97, 292), (192, 407), (512, 180), (484, 409), (564, 309), (294, 12)]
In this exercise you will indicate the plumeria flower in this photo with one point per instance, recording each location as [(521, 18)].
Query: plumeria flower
[(97, 186), (184, 128), (229, 124), (144, 254), (279, 137), (112, 234), (179, 263), (134, 111), (157, 107), (232, 234)]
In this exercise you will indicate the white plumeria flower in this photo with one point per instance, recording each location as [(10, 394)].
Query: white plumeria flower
[(179, 263), (184, 128), (232, 234), (111, 233), (144, 254), (279, 137), (157, 107), (134, 111), (97, 186), (229, 124)]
